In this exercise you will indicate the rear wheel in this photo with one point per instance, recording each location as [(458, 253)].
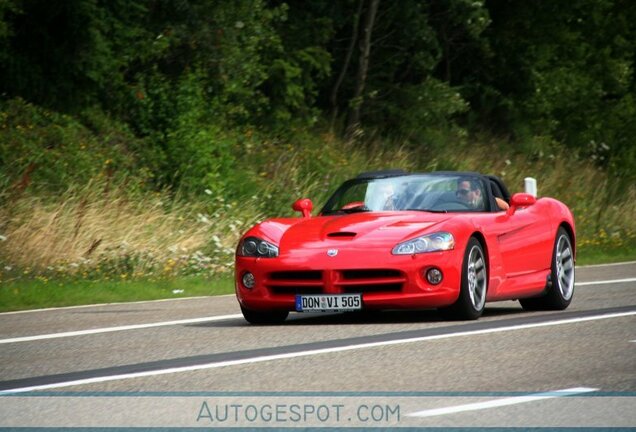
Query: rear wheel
[(560, 287), (472, 295), (264, 317)]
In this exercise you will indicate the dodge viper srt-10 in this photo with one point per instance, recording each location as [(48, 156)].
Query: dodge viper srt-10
[(393, 240)]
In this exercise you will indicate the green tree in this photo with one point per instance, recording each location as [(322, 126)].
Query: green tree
[(566, 70)]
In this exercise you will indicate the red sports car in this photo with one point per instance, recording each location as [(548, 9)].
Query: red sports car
[(393, 240)]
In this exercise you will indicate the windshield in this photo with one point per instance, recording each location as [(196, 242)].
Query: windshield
[(435, 193)]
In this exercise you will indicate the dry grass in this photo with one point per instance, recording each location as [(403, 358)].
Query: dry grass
[(89, 232)]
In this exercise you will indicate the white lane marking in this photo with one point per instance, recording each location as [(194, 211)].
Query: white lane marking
[(119, 328), (501, 402), (311, 353), (607, 265), (605, 282), (109, 304)]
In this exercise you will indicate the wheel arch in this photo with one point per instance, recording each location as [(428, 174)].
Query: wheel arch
[(482, 240), (570, 231)]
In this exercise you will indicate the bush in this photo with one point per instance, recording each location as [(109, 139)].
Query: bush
[(47, 151)]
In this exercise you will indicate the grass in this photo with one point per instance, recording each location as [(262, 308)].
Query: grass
[(39, 293), (590, 256), (96, 231)]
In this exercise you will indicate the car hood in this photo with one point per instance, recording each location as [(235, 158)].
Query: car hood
[(359, 230)]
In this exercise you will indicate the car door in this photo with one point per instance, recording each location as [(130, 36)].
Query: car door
[(524, 239)]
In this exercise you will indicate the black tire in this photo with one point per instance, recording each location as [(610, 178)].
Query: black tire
[(264, 317), (472, 294), (560, 287)]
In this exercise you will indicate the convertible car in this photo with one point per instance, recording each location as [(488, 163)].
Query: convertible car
[(394, 240)]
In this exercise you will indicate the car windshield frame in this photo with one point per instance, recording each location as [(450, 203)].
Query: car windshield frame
[(428, 192)]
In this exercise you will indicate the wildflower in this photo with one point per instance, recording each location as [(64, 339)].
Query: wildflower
[(208, 191), (3, 238), (8, 268)]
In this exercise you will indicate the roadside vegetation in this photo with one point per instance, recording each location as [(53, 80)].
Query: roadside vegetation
[(115, 240), (134, 155)]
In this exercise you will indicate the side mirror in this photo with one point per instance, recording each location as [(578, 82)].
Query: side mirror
[(520, 200), (303, 205)]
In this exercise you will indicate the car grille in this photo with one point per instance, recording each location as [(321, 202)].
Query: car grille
[(370, 280), (296, 282), (310, 275), (344, 281)]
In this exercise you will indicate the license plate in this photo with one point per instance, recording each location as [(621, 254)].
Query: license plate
[(328, 303)]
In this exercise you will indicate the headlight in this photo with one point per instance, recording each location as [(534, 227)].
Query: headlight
[(429, 243), (255, 247)]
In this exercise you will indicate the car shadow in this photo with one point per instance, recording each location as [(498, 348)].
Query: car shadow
[(366, 317), (501, 311), (389, 317)]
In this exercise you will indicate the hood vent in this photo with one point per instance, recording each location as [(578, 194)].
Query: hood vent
[(342, 234)]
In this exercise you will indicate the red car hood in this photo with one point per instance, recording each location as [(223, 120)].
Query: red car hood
[(359, 230)]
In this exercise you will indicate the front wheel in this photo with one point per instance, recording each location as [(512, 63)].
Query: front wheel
[(472, 294), (560, 287), (264, 317)]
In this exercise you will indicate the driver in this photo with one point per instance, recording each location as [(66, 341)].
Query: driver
[(469, 193)]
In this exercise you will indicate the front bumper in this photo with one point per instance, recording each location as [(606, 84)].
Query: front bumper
[(386, 281)]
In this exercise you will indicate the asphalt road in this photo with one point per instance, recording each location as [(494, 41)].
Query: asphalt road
[(402, 364)]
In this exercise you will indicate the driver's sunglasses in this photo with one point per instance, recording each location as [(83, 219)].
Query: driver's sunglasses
[(463, 192)]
